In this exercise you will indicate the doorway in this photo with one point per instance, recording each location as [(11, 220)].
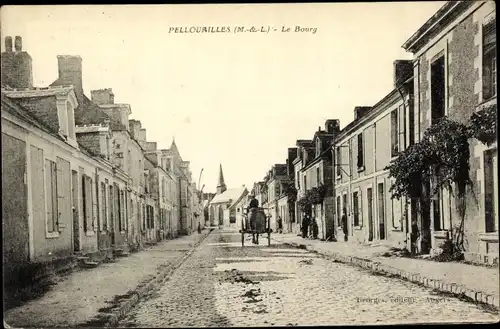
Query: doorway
[(76, 216), (425, 240), (369, 196), (381, 211)]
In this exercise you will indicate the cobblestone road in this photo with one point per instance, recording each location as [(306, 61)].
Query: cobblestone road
[(222, 284)]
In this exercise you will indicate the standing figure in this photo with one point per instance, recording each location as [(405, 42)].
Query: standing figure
[(305, 225), (280, 224), (314, 228), (344, 224)]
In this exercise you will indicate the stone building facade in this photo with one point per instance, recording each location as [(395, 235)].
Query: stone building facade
[(455, 76)]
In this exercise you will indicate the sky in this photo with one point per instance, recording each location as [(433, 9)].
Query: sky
[(236, 99)]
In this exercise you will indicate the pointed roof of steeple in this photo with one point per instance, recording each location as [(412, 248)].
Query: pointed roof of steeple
[(221, 178), (173, 148)]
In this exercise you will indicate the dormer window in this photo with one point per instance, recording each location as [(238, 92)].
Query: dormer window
[(66, 104)]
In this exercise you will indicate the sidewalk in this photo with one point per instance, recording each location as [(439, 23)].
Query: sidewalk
[(80, 298), (479, 283)]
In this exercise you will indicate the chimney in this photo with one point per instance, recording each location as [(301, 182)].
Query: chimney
[(332, 126), (292, 154), (70, 73), (360, 111), (142, 134), (17, 71), (18, 45), (403, 70), (102, 96), (135, 128), (8, 44)]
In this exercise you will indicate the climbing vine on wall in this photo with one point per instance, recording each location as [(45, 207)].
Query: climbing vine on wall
[(442, 156), (483, 125)]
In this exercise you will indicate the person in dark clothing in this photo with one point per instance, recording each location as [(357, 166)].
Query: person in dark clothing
[(254, 203), (415, 234), (314, 228), (305, 225), (344, 224), (280, 224)]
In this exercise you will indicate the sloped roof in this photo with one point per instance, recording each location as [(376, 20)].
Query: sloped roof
[(230, 195), (13, 107), (9, 105), (42, 109), (38, 92)]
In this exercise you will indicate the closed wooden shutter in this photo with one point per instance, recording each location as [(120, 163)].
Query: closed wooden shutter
[(51, 195)]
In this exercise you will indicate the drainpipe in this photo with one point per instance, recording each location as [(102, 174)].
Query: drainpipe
[(334, 192), (97, 204)]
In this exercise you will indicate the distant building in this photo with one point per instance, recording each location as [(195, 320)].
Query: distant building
[(226, 207)]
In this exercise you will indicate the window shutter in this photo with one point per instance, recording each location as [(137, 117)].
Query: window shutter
[(360, 206), (490, 34), (48, 196), (93, 196)]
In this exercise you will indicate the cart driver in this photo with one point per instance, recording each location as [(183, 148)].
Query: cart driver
[(254, 203)]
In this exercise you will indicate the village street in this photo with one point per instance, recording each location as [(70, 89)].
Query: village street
[(223, 284)]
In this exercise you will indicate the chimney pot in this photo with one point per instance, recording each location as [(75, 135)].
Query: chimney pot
[(8, 44), (18, 43)]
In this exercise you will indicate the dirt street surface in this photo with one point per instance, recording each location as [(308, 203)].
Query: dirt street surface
[(223, 284)]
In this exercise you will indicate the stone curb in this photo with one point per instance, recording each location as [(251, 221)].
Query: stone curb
[(127, 305), (379, 268)]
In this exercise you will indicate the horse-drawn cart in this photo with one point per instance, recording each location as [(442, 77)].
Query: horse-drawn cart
[(255, 222)]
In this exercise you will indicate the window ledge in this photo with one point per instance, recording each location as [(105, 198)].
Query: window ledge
[(361, 169), (359, 228), (396, 229), (489, 237), (52, 235), (486, 103), (122, 232), (339, 177), (443, 234), (89, 233)]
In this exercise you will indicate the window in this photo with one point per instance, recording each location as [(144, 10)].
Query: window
[(305, 183), (150, 217), (411, 114), (437, 89), (298, 179), (489, 60), (361, 156), (394, 133), (338, 162), (318, 177), (355, 206), (491, 190), (51, 195), (104, 208)]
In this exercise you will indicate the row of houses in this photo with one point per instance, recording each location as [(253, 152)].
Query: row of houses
[(452, 75), (79, 177)]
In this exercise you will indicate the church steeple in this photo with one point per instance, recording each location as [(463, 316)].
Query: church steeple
[(221, 186)]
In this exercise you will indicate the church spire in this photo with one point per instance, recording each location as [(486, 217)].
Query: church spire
[(221, 185)]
